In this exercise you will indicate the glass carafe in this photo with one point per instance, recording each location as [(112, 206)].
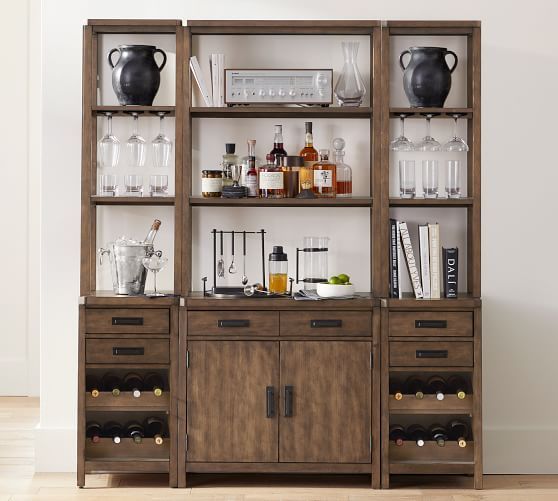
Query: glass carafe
[(350, 89), (315, 250)]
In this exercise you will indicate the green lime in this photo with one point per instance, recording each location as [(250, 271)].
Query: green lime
[(344, 278), (334, 281)]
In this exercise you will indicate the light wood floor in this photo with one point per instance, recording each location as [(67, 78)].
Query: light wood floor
[(19, 416)]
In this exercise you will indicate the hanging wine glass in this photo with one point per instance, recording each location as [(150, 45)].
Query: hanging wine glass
[(136, 146), (456, 143), (401, 143), (162, 145), (109, 146), (428, 143)]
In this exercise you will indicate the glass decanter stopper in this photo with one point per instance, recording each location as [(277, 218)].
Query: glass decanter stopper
[(350, 89), (344, 172)]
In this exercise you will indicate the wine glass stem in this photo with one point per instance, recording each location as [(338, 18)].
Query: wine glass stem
[(135, 125), (109, 125), (154, 282), (402, 126), (427, 126), (454, 127), (161, 126)]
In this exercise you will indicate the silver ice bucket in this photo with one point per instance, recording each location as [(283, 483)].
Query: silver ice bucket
[(126, 266)]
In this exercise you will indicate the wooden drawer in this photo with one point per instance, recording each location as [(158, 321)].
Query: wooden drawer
[(431, 323), (127, 320), (431, 353), (127, 351), (227, 323), (324, 323)]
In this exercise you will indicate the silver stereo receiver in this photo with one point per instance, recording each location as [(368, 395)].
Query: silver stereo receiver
[(279, 87)]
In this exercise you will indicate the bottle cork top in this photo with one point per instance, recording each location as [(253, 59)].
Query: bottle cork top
[(156, 224)]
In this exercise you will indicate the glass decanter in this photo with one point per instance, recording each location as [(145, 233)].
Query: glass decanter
[(349, 89), (344, 172)]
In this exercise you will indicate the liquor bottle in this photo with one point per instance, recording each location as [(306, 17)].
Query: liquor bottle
[(134, 383), (278, 150), (344, 172), (439, 434), (436, 385), (154, 382), (397, 434), (111, 382), (459, 431), (415, 386), (396, 389), (229, 159), (310, 157), (271, 178), (417, 433), (150, 237), (325, 176), (251, 177), (458, 386), (113, 430), (93, 431), (92, 385), (154, 428), (134, 430)]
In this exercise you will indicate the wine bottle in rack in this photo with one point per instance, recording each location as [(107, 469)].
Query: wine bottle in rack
[(439, 434), (459, 431), (397, 434), (155, 428), (417, 433), (135, 431), (150, 237), (134, 383), (436, 385), (396, 389), (154, 382), (93, 430), (111, 383), (415, 386), (113, 430), (92, 385), (458, 386)]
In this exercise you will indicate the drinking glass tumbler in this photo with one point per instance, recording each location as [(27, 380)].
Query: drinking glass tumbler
[(159, 185), (108, 187), (407, 183), (134, 185), (430, 178), (453, 176)]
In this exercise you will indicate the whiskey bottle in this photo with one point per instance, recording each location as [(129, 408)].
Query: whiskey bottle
[(278, 150), (458, 386), (134, 383), (271, 178), (310, 157), (417, 433), (396, 389), (436, 385), (135, 431), (251, 178), (155, 383), (439, 434), (344, 186), (324, 176), (415, 386), (111, 382), (93, 431), (397, 434)]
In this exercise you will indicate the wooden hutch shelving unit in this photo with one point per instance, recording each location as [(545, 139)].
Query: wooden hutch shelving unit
[(238, 368)]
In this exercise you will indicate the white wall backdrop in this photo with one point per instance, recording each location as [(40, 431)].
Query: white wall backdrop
[(519, 73)]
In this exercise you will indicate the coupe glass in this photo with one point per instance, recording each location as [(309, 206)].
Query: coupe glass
[(428, 143), (456, 143), (401, 143), (136, 146), (155, 263), (109, 146), (162, 145)]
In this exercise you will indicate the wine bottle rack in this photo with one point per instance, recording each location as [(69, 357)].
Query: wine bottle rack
[(105, 449)]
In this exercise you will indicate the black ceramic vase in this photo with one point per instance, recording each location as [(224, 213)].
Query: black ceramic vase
[(427, 77), (135, 76)]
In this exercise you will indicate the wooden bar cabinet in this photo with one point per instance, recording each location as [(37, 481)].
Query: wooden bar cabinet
[(275, 385)]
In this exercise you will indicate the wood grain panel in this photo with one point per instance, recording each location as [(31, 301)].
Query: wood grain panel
[(129, 320), (431, 323), (239, 323), (326, 323), (431, 353), (113, 351)]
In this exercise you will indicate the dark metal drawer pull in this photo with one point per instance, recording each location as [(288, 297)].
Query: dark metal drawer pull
[(432, 354), (139, 350), (233, 323), (325, 323), (270, 401), (127, 320), (431, 324), (289, 401)]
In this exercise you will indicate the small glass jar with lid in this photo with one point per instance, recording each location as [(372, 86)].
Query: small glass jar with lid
[(344, 181), (270, 178), (212, 183)]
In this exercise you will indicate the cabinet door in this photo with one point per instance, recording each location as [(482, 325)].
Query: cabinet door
[(231, 416), (325, 402)]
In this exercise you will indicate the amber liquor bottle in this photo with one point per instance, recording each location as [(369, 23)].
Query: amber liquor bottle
[(325, 176), (310, 157)]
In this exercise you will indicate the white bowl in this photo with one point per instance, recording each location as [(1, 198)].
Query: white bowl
[(333, 290)]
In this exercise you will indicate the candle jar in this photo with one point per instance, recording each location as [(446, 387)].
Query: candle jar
[(212, 183), (278, 267)]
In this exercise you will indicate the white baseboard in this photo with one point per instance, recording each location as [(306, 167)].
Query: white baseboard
[(55, 449)]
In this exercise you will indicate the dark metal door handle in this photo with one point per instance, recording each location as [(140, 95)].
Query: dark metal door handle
[(431, 324), (289, 401), (432, 354), (127, 320), (132, 350), (316, 324), (233, 323), (270, 401)]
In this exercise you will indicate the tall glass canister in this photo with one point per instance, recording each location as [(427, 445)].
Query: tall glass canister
[(315, 251)]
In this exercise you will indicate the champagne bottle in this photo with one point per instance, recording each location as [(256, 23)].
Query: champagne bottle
[(113, 430), (134, 383), (436, 385), (134, 430), (396, 389), (154, 428), (458, 386), (92, 385), (93, 431), (397, 434), (417, 433), (439, 434), (459, 430), (415, 386), (154, 382), (111, 382), (150, 237)]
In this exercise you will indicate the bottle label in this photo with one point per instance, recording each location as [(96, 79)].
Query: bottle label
[(323, 178), (212, 185), (271, 180), (251, 184)]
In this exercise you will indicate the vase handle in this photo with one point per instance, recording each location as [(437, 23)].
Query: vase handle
[(455, 56), (109, 57), (401, 59), (164, 58)]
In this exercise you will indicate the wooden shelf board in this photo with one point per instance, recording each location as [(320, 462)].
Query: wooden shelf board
[(420, 112), (126, 402), (464, 301), (430, 405), (281, 202), (127, 366), (280, 27), (255, 111), (126, 466), (126, 110), (430, 202), (431, 468), (109, 298), (98, 200)]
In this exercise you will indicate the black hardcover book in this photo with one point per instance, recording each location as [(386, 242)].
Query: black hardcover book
[(450, 260), (393, 259)]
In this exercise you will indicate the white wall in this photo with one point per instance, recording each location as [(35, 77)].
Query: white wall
[(519, 175)]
